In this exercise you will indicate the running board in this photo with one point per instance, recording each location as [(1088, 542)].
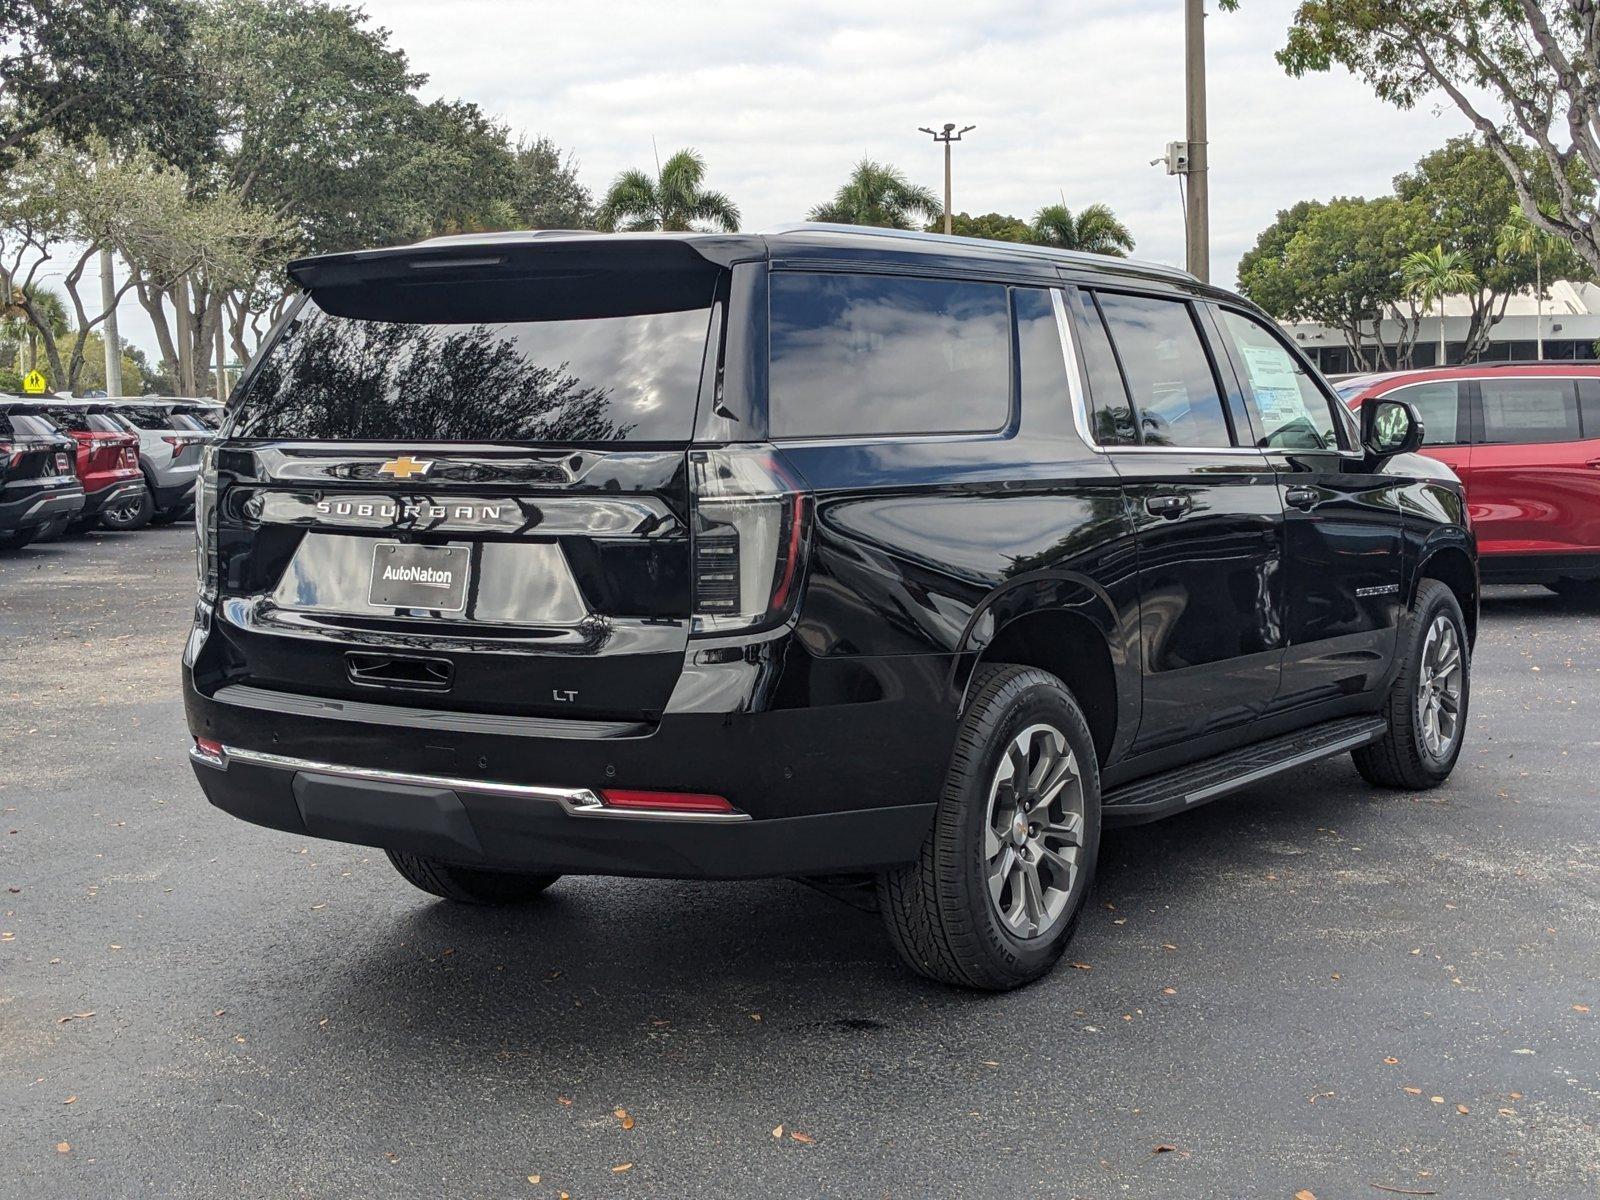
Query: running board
[(1174, 791)]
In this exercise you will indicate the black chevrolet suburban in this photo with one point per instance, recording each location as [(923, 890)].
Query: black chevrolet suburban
[(829, 553)]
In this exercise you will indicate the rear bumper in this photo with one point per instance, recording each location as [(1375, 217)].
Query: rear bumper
[(97, 502), (820, 789), (29, 507)]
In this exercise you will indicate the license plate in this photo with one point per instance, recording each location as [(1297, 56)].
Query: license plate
[(428, 577), (63, 464)]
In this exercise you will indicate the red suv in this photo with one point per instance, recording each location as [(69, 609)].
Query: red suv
[(108, 461), (1525, 440)]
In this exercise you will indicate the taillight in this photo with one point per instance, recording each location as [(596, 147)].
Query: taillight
[(684, 802), (205, 525), (749, 531)]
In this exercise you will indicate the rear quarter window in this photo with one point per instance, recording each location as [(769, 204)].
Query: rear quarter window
[(871, 355), (1522, 411)]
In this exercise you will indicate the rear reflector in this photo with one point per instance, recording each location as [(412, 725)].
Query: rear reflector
[(210, 751), (666, 801)]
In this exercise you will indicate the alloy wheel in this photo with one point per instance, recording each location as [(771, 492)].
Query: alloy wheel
[(1439, 683), (1033, 832)]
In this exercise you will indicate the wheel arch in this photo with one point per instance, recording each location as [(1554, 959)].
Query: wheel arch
[(1452, 565), (1066, 625)]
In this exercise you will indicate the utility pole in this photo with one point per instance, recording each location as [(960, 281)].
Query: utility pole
[(108, 304), (185, 364), (221, 350), (947, 135), (1199, 206)]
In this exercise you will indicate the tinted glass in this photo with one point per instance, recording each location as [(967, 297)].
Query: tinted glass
[(30, 425), (1589, 406), (1439, 406), (1044, 366), (1295, 415), (79, 421), (1174, 391), (1529, 410), (590, 379), (1111, 416), (865, 355), (145, 416)]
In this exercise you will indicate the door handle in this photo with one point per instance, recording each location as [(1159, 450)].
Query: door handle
[(1170, 507), (1595, 462), (1300, 497)]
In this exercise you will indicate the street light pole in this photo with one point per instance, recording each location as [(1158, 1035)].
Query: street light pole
[(113, 343), (947, 135), (1198, 231)]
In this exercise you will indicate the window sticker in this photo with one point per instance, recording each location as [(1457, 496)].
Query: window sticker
[(1275, 384)]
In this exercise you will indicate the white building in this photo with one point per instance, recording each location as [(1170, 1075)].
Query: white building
[(1570, 327)]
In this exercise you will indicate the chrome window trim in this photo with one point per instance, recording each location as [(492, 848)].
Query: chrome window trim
[(1080, 401), (576, 802)]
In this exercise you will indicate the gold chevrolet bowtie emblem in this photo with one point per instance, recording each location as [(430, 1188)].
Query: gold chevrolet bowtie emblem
[(405, 467)]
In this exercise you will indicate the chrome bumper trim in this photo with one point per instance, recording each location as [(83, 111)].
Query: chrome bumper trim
[(577, 802)]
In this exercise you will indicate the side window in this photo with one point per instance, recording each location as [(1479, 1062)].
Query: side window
[(1295, 414), (1439, 405), (1589, 406), (1039, 355), (1529, 410), (1169, 376), (1110, 412), (870, 355)]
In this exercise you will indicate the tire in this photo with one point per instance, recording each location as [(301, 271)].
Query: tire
[(165, 516), (16, 539), (1406, 756), (129, 516), (467, 885), (944, 911), (52, 531)]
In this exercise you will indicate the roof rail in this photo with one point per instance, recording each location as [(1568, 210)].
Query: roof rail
[(1024, 248)]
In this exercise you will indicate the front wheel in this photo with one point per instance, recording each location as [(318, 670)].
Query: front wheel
[(996, 892), (468, 885), (1427, 704)]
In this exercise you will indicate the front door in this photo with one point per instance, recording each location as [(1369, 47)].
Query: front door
[(1342, 580), (1207, 514)]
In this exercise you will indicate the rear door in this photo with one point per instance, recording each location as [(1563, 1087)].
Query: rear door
[(1534, 481), (475, 500), (1208, 519), (1342, 535)]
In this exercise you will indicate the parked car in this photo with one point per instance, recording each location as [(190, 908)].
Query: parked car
[(170, 438), (830, 553), (39, 488), (1525, 440), (114, 492)]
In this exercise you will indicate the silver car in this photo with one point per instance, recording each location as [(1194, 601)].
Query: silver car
[(171, 435)]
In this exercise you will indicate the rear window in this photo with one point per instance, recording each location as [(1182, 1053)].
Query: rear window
[(28, 425), (147, 416), (79, 421), (872, 356), (595, 378)]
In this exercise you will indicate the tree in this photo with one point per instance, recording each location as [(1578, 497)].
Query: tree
[(1520, 238), (673, 201), (1339, 264), (996, 227), (1467, 193), (879, 194), (1432, 275), (1094, 230), (117, 69), (545, 192), (1525, 73)]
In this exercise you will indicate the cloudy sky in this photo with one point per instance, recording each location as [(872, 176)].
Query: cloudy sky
[(1070, 99)]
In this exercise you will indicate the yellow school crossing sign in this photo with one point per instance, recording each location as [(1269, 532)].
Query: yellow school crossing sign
[(34, 383)]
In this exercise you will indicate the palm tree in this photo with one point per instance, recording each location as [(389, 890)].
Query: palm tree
[(1095, 230), (1518, 238), (15, 325), (879, 194), (672, 201), (1431, 275)]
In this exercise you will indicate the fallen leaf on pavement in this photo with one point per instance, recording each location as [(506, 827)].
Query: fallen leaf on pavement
[(1391, 1061), (83, 1016), (70, 1100), (1463, 1109), (805, 1139), (533, 1179), (778, 1132), (1077, 966), (1163, 1148), (1404, 1191), (1412, 1091), (1305, 1194), (63, 1147), (621, 1167)]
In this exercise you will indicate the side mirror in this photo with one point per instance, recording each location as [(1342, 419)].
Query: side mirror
[(1390, 427)]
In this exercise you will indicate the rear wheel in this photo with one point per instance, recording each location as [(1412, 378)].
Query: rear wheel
[(1427, 703), (129, 514), (16, 539), (468, 885), (996, 893)]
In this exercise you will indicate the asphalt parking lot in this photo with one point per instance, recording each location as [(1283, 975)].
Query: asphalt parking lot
[(1306, 987)]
